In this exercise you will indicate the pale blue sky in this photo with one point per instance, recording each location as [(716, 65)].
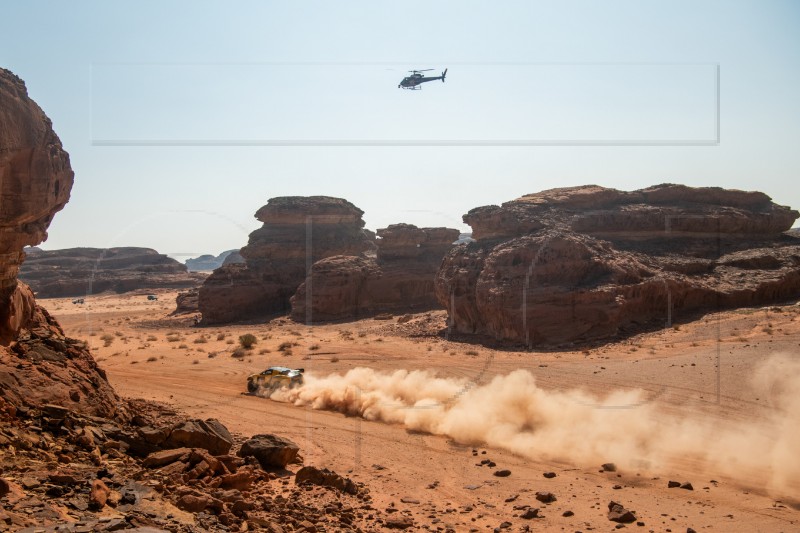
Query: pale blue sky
[(574, 77)]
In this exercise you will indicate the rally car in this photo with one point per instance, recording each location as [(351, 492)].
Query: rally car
[(274, 378)]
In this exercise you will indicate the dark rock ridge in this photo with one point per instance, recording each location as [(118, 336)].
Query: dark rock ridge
[(210, 262), (84, 271), (400, 278), (35, 183), (297, 231), (589, 262)]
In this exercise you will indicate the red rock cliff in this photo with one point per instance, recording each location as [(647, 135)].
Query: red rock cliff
[(38, 364), (589, 262), (35, 182)]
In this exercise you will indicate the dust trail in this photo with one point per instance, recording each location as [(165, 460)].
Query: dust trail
[(512, 412)]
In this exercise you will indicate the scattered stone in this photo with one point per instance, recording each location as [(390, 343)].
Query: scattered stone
[(546, 497), (617, 513), (673, 484), (409, 499), (609, 467), (502, 473), (271, 451), (687, 486), (549, 475), (98, 495), (530, 512), (398, 521), (567, 514), (326, 478)]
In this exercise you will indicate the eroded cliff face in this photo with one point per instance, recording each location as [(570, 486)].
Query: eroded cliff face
[(589, 262), (35, 183), (38, 364), (297, 232), (399, 279)]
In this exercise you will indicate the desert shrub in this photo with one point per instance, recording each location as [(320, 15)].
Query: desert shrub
[(285, 346), (200, 340), (173, 337), (314, 347), (220, 336), (229, 341), (183, 347), (263, 351), (334, 359), (247, 340), (152, 359), (152, 338), (471, 352), (195, 362), (239, 353)]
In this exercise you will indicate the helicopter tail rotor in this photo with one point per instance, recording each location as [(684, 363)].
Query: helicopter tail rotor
[(444, 74)]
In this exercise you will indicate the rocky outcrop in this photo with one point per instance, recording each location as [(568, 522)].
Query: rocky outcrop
[(208, 262), (38, 364), (35, 183), (588, 262), (400, 278), (297, 231), (85, 271), (186, 302)]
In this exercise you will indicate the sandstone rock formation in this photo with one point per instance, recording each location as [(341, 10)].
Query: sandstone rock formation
[(589, 262), (399, 279), (297, 232), (85, 271), (35, 182), (38, 364)]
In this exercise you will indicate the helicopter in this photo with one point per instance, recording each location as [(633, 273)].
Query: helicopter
[(413, 82)]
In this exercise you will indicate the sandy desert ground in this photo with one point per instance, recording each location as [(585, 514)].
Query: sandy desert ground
[(656, 404)]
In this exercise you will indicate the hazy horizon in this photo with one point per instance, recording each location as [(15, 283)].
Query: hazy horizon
[(183, 119)]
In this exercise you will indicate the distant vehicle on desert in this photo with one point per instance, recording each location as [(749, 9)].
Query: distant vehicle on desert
[(274, 378), (152, 297), (77, 301)]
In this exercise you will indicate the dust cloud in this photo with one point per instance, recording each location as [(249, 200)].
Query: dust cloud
[(513, 413)]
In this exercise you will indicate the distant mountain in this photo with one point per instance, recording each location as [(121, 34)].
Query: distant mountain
[(209, 262), (464, 237), (84, 271)]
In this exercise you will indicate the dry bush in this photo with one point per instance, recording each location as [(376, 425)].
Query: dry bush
[(247, 341)]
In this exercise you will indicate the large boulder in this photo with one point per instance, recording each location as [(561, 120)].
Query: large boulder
[(271, 451), (297, 231), (208, 434), (588, 262)]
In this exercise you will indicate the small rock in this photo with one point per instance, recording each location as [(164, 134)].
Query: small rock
[(98, 495), (673, 484), (617, 513), (686, 485), (531, 512), (409, 499), (502, 473), (398, 522), (609, 467), (549, 475), (546, 497), (567, 514)]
